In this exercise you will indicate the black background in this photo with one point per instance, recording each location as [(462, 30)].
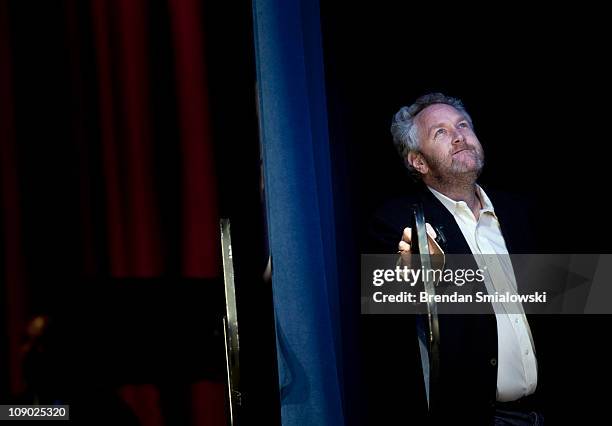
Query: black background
[(534, 81)]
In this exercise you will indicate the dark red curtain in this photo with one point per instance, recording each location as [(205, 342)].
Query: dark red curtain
[(107, 161), (122, 53)]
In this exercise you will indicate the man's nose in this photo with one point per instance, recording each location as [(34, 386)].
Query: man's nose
[(458, 138)]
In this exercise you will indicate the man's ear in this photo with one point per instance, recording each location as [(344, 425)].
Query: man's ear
[(417, 161)]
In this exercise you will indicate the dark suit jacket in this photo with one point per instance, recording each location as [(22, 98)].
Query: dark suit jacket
[(468, 352)]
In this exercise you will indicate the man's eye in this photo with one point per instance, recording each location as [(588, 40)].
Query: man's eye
[(439, 132), (463, 125)]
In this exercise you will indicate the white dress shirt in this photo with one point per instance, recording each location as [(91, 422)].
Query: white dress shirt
[(517, 374)]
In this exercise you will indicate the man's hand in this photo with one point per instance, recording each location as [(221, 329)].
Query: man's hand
[(405, 245)]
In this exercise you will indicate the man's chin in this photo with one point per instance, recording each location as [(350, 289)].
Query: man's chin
[(461, 170), (466, 163), (466, 172), (466, 168)]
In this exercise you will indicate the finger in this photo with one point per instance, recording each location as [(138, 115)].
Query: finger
[(430, 231), (404, 246), (407, 235), (433, 247)]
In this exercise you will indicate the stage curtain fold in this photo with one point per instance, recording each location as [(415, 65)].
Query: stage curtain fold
[(300, 208)]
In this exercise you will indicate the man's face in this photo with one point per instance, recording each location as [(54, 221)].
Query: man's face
[(449, 146)]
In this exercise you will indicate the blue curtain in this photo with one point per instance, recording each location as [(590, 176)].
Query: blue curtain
[(298, 182)]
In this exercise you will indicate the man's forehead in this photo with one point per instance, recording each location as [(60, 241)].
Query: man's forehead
[(437, 112)]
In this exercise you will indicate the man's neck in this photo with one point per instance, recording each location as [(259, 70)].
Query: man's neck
[(466, 192)]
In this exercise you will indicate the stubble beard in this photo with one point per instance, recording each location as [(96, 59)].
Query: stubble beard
[(458, 174)]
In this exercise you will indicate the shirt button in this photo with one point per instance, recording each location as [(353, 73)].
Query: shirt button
[(526, 351), (516, 320), (493, 362)]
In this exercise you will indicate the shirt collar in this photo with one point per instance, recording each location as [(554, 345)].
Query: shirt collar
[(453, 206)]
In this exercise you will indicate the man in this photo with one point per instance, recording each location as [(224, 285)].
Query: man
[(488, 370)]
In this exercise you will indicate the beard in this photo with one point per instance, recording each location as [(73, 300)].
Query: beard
[(463, 169)]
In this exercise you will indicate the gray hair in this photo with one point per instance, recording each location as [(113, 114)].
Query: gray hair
[(406, 133)]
